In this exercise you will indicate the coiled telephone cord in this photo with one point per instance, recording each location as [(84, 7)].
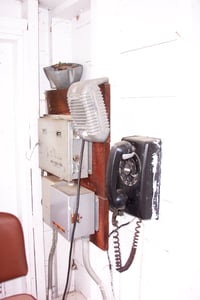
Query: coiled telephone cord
[(117, 248), (117, 251)]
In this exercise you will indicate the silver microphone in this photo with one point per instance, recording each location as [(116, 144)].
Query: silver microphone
[(88, 111)]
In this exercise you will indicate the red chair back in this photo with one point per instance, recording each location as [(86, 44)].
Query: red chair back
[(12, 249)]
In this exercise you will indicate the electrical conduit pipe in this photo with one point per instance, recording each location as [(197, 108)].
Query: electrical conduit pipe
[(91, 272)]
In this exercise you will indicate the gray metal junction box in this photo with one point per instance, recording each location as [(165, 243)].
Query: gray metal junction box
[(63, 199)]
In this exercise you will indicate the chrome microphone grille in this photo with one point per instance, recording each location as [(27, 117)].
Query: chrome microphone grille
[(88, 111)]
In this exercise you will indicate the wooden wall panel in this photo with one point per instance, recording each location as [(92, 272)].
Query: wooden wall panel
[(97, 181)]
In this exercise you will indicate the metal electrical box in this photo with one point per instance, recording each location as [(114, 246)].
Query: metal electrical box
[(47, 182), (59, 148), (63, 200)]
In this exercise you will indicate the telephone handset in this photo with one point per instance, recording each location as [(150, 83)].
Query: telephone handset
[(123, 173), (133, 185)]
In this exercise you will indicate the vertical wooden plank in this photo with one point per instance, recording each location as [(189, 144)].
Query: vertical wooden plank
[(97, 180)]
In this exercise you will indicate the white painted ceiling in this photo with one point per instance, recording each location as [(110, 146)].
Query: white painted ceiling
[(50, 4), (65, 8)]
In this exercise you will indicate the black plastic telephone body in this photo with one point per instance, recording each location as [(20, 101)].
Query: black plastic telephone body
[(133, 176)]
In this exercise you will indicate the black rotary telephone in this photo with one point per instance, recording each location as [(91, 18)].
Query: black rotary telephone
[(133, 180)]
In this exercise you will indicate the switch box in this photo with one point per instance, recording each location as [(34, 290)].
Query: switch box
[(63, 199), (48, 181), (59, 148)]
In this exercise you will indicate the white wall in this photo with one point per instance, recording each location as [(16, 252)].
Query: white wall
[(154, 91), (11, 8), (149, 51)]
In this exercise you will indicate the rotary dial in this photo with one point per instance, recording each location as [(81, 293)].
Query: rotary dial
[(129, 170)]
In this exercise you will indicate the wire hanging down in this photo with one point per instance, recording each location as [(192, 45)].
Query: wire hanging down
[(117, 247), (75, 222)]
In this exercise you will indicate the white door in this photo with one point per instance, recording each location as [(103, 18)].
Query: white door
[(16, 174)]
